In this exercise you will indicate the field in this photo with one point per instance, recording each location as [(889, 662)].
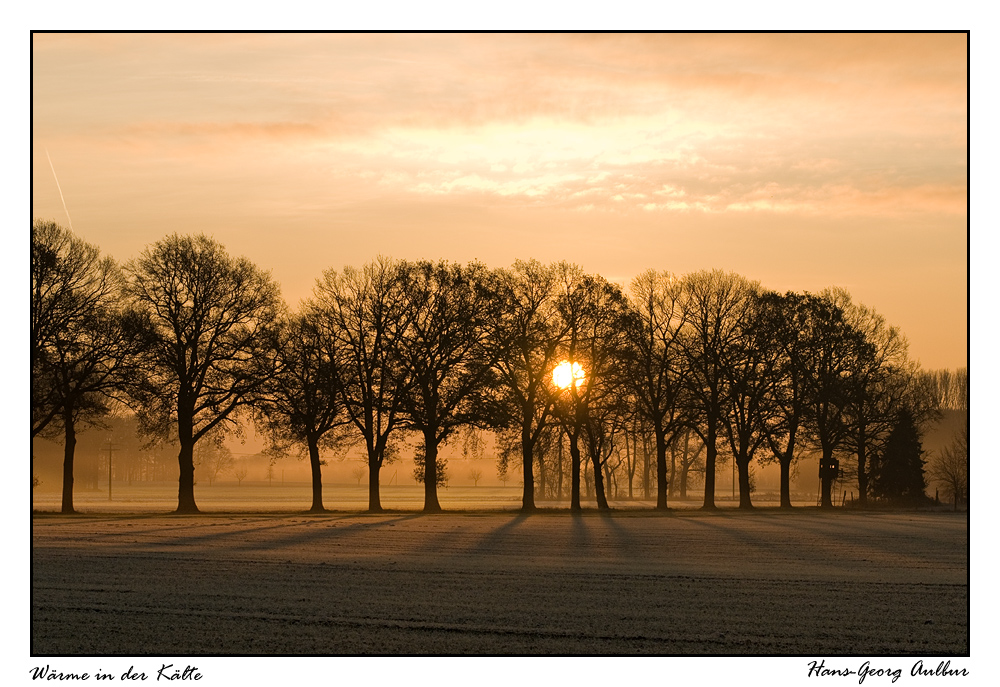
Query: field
[(489, 581)]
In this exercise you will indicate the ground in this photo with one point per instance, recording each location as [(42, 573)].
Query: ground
[(807, 583)]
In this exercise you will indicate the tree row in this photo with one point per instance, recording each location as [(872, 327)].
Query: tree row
[(196, 342)]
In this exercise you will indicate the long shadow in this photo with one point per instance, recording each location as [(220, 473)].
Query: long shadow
[(489, 543), (579, 535), (320, 531)]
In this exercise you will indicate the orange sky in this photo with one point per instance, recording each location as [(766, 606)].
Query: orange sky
[(803, 161)]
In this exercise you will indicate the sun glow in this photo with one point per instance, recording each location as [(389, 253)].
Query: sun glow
[(567, 373)]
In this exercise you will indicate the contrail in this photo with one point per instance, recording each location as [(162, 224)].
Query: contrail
[(60, 189)]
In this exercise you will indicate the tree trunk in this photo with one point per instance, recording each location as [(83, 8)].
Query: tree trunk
[(69, 451), (661, 469), (185, 486), (543, 475), (786, 470), (431, 504), (185, 458), (602, 499), (826, 500), (710, 453), (374, 470), (528, 495), (574, 455), (785, 462), (743, 467), (559, 471), (671, 480), (317, 476)]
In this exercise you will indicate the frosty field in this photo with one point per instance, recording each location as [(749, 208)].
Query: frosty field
[(767, 582)]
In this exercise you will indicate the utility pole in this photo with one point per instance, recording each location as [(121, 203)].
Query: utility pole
[(111, 448)]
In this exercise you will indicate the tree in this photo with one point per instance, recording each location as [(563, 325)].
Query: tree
[(367, 313), (300, 403), (949, 388), (884, 383), (898, 473), (213, 457), (595, 357), (68, 278), (751, 376), (358, 472), (526, 338), (792, 321), (716, 304), (84, 344), (446, 354), (950, 468), (656, 377), (214, 320), (475, 475), (240, 473)]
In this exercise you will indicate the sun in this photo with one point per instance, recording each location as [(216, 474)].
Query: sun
[(567, 373)]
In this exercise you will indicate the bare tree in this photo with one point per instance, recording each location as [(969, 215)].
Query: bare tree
[(829, 375), (476, 475), (367, 312), (950, 468), (446, 354), (240, 473), (950, 388), (527, 335), (300, 403), (592, 407), (716, 304), (214, 318), (84, 344), (656, 377), (213, 457), (884, 383), (358, 472), (752, 373), (792, 322)]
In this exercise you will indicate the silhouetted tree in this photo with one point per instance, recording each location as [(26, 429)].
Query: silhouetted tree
[(358, 472), (898, 473), (213, 457), (301, 403), (446, 353), (367, 312), (950, 388), (690, 458), (214, 318), (68, 277), (951, 467), (883, 384), (599, 324), (476, 475), (240, 473), (570, 405), (752, 374), (716, 303), (656, 377), (527, 338), (829, 375), (84, 344), (792, 321)]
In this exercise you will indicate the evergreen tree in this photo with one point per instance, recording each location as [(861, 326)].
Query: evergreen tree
[(898, 474)]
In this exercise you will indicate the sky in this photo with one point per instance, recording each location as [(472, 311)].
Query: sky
[(799, 160)]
